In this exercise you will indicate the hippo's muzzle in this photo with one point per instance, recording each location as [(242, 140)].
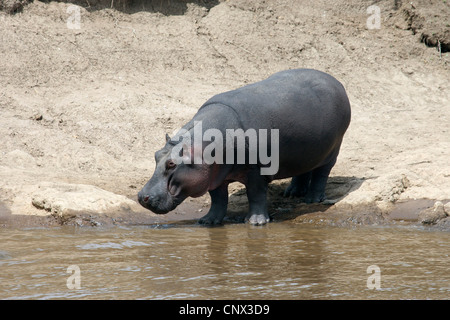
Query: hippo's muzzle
[(154, 203), (158, 202)]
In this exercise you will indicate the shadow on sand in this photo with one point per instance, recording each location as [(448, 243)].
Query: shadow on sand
[(165, 7), (281, 208)]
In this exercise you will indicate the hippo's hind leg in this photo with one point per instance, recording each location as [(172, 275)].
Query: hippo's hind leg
[(311, 185), (219, 204), (319, 178), (299, 185)]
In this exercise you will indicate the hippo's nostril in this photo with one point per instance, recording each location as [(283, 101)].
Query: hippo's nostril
[(143, 198)]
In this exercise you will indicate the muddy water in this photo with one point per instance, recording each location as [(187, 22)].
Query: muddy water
[(236, 261)]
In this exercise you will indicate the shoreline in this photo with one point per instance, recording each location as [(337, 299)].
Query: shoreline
[(410, 213)]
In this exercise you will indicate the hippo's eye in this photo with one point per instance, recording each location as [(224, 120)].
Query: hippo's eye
[(170, 164)]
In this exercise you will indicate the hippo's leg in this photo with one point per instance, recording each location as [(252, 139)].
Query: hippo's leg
[(319, 177), (257, 199), (219, 204), (299, 185)]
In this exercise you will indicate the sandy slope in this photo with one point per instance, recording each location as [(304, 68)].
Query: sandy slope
[(89, 107)]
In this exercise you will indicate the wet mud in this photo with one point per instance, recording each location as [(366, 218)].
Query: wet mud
[(402, 213)]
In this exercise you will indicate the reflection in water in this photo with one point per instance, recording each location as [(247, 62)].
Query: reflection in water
[(277, 261)]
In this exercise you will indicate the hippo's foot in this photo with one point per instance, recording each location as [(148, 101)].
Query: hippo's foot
[(218, 210), (315, 198), (299, 186), (257, 219), (211, 219), (293, 191)]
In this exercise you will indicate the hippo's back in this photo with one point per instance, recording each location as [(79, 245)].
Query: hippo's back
[(295, 97), (309, 108)]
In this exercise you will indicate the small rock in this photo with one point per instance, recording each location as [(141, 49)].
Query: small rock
[(444, 223), (95, 223), (79, 222), (433, 215), (64, 198), (43, 117), (12, 6), (37, 117), (447, 208)]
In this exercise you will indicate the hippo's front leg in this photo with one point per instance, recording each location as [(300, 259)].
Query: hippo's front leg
[(219, 204), (257, 199)]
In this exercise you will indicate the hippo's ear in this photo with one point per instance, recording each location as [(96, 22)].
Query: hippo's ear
[(167, 138)]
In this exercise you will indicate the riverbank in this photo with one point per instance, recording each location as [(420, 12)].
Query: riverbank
[(83, 110), (426, 213)]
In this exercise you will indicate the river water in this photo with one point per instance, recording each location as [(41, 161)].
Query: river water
[(184, 261)]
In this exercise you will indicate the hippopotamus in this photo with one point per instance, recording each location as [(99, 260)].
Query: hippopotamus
[(297, 116)]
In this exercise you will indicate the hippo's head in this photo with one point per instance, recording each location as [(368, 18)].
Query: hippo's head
[(173, 181)]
